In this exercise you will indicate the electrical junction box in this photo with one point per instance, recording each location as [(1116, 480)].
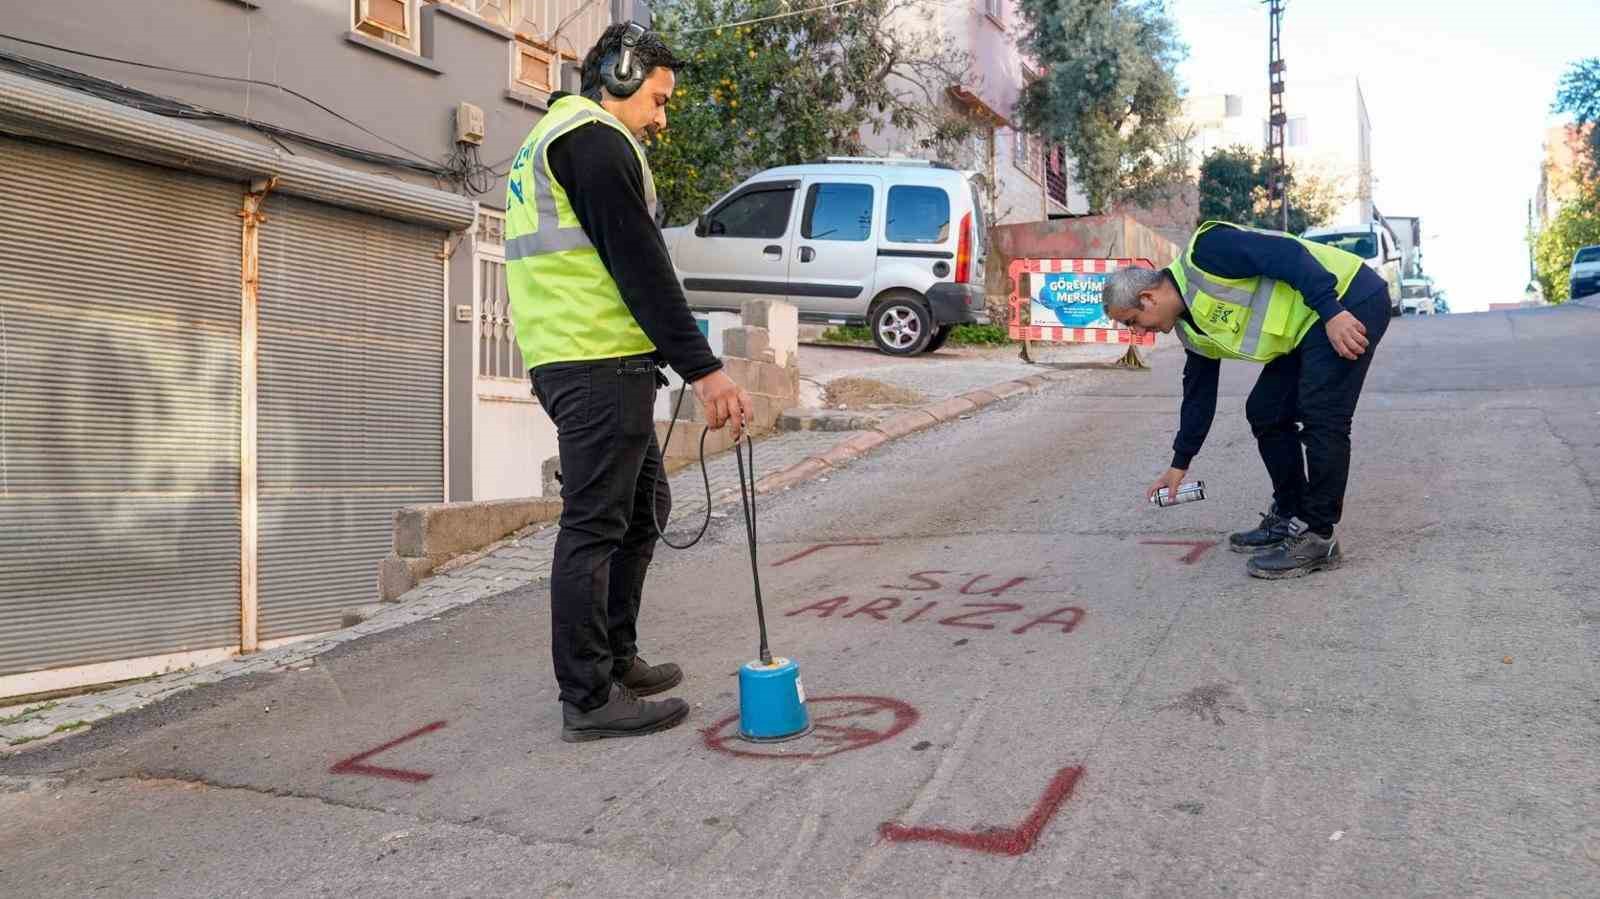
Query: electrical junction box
[(469, 124)]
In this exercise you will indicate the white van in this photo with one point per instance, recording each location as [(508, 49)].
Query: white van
[(1374, 244), (1416, 297), (894, 244)]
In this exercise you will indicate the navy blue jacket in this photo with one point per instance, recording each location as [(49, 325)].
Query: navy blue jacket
[(1229, 252)]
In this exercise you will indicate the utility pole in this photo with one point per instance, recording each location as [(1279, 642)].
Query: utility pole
[(1279, 121)]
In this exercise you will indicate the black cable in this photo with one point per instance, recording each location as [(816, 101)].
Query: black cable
[(255, 81), (748, 499), (171, 108), (747, 493), (704, 475)]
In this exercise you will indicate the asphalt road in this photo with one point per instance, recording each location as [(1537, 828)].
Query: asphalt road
[(1026, 682)]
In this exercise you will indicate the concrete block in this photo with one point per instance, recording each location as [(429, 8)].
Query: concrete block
[(692, 410), (398, 575), (444, 530), (980, 398), (952, 408), (746, 342), (852, 448), (745, 372), (1008, 389), (354, 616), (794, 474), (907, 423), (551, 467), (774, 380), (782, 321)]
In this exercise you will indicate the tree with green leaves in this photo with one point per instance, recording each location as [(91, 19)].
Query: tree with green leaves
[(1576, 225), (1579, 94), (795, 87), (1235, 186), (1109, 93)]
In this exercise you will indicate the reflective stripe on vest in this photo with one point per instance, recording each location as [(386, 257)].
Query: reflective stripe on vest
[(1257, 301), (549, 236)]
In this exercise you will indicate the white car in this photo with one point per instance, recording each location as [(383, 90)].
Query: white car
[(1416, 297), (1374, 244), (895, 244), (1584, 277)]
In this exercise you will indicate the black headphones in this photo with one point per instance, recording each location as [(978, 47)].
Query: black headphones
[(620, 74)]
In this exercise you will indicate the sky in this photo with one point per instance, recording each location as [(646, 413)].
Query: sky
[(1459, 94)]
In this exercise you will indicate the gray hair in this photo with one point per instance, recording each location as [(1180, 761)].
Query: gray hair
[(1124, 286)]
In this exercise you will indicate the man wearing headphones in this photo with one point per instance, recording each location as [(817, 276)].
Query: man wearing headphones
[(598, 308)]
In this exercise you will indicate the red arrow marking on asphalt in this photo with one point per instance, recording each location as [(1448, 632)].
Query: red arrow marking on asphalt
[(1193, 555), (355, 764), (995, 840), (806, 552)]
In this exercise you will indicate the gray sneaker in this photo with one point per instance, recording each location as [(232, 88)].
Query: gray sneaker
[(624, 715), (1302, 552)]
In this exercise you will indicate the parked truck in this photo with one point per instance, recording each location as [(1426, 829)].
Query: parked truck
[(1407, 230)]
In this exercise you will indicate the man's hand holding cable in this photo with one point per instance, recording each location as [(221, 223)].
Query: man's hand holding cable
[(724, 401)]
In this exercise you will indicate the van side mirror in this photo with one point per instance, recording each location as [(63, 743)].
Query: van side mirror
[(700, 226)]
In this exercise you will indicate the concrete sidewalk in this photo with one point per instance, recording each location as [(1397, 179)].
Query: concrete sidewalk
[(782, 461)]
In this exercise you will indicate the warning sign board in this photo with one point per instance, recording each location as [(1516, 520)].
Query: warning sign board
[(1062, 299)]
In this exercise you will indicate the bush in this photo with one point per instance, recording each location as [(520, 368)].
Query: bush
[(963, 335)]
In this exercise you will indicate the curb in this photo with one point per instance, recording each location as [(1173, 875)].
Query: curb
[(905, 424)]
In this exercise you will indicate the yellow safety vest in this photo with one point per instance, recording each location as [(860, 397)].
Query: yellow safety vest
[(564, 304), (1255, 319)]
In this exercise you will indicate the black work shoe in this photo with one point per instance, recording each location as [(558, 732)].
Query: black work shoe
[(645, 679), (1273, 531), (1301, 553), (625, 715)]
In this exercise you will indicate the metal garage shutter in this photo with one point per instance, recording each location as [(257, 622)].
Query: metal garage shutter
[(119, 409), (350, 399)]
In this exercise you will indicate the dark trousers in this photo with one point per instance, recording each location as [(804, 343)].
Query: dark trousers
[(1307, 399), (610, 461)]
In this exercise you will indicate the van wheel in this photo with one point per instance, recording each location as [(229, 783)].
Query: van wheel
[(939, 337), (902, 326)]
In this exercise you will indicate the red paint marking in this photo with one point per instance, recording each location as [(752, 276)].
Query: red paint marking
[(1001, 840), (918, 613), (820, 546), (928, 582), (1193, 555), (996, 591), (875, 610), (870, 721), (356, 764), (823, 607), (984, 608), (1067, 626)]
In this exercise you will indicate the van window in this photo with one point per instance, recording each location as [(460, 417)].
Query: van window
[(838, 212), (918, 215), (761, 214), (1587, 254), (1361, 243)]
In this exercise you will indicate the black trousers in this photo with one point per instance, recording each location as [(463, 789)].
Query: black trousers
[(610, 463), (1307, 399)]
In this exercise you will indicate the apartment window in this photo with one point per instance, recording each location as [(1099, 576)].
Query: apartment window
[(391, 21), (1027, 154), (1298, 133), (505, 13), (1055, 174), (533, 66), (995, 9)]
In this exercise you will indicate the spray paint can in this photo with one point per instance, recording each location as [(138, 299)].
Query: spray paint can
[(1188, 492)]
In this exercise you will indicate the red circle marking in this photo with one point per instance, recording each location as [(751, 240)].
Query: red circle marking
[(834, 719)]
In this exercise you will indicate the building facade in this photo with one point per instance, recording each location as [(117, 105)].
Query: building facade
[(270, 233), (1028, 180)]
